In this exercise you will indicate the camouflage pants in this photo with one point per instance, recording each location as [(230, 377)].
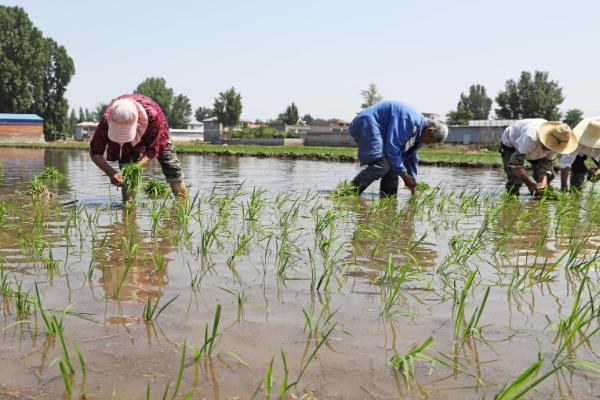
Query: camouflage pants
[(512, 159)]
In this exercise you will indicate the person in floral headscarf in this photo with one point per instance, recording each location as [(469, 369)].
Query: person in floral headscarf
[(134, 129)]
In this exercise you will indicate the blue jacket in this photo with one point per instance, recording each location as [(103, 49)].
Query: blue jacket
[(392, 130)]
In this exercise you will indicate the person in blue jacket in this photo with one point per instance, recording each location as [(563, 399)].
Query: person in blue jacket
[(388, 135)]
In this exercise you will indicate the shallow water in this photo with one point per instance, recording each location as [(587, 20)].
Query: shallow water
[(259, 271)]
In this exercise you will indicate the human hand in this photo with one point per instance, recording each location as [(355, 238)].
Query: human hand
[(116, 179), (409, 182), (541, 185)]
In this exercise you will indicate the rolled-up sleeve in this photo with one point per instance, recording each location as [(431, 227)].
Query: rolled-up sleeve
[(395, 140), (100, 139), (411, 162)]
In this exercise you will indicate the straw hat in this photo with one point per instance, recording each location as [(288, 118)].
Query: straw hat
[(588, 132), (123, 121), (558, 137)]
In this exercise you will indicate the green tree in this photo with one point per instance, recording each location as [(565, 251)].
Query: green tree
[(533, 96), (461, 116), (290, 116), (34, 71), (370, 96), (477, 102), (90, 116), (72, 122), (308, 119), (228, 107), (181, 111), (203, 113), (573, 117), (99, 111), (81, 116), (157, 90)]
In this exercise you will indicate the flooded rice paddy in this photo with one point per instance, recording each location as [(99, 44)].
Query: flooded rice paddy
[(261, 286)]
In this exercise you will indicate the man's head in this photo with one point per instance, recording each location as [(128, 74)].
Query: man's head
[(122, 121), (436, 132)]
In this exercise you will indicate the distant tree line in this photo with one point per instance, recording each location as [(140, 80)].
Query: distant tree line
[(34, 71), (531, 96)]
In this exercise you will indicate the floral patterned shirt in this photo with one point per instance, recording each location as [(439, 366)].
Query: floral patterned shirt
[(152, 143)]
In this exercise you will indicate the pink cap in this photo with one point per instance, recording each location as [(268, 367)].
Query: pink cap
[(123, 121)]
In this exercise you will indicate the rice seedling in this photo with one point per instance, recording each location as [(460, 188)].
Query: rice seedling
[(254, 204), (151, 311), (50, 262), (461, 305), (2, 210), (473, 328), (422, 186), (177, 383), (406, 363), (53, 325), (39, 190), (526, 381), (132, 252), (132, 177), (23, 301), (319, 325), (344, 189), (391, 284), (209, 339), (156, 215), (159, 262), (50, 174), (241, 245), (155, 188), (208, 236)]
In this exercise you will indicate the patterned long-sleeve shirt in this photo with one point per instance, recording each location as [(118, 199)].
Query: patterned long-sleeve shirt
[(152, 143)]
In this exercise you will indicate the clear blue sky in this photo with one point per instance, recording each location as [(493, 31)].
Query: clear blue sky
[(320, 54)]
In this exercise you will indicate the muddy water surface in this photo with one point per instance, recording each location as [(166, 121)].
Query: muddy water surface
[(339, 287)]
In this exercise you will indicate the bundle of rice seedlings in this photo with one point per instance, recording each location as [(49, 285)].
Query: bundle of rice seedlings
[(155, 188), (50, 174), (132, 177), (344, 189)]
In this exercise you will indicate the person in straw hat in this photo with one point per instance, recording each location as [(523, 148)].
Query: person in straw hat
[(537, 141), (133, 129), (588, 136)]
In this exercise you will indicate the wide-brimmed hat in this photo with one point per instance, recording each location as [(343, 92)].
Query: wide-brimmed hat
[(558, 137), (588, 132), (123, 121)]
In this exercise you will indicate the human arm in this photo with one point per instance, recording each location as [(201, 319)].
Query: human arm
[(528, 180), (115, 178), (411, 161), (97, 147), (397, 135)]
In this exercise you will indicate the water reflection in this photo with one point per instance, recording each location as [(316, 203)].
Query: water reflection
[(135, 266)]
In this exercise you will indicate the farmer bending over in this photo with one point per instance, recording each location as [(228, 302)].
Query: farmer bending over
[(134, 129), (537, 141), (388, 135), (588, 136)]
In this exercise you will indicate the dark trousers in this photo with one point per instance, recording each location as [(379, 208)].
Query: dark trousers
[(578, 172), (540, 168), (378, 169)]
